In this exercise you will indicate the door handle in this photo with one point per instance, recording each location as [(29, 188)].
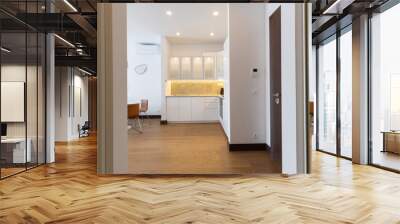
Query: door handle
[(277, 98)]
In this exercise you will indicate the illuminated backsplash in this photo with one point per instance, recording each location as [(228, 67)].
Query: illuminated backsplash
[(193, 87)]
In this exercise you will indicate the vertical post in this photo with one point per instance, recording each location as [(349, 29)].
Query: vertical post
[(360, 90), (338, 99)]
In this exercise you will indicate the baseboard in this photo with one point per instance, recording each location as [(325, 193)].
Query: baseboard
[(248, 147), (150, 116), (163, 122)]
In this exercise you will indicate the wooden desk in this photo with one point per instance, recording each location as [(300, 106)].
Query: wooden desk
[(391, 141)]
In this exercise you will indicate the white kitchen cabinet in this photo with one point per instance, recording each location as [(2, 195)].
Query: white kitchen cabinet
[(198, 68), (186, 68), (173, 108), (174, 68), (185, 108), (192, 109), (197, 108), (210, 105), (209, 67)]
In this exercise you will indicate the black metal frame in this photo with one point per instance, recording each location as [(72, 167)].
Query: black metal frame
[(334, 37)]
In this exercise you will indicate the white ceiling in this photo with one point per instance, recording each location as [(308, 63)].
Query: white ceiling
[(194, 21)]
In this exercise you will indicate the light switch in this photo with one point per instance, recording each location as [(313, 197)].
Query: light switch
[(254, 73)]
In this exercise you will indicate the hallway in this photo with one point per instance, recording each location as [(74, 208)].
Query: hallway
[(69, 191)]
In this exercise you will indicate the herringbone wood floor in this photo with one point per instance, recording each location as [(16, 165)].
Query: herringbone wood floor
[(71, 192)]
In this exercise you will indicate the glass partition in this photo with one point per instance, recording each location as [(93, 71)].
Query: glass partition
[(22, 78), (327, 97), (346, 94), (385, 90), (14, 153)]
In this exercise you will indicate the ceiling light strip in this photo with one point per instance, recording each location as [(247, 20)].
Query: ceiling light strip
[(84, 71), (70, 5), (65, 41), (331, 6)]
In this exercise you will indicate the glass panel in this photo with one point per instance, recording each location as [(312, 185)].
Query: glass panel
[(41, 98), (346, 94), (174, 68), (186, 68), (385, 89), (327, 97), (198, 68), (13, 90), (31, 99), (209, 68)]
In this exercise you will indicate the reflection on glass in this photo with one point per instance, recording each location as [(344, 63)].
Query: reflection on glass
[(41, 98), (346, 94), (31, 100), (327, 97), (385, 89), (15, 150)]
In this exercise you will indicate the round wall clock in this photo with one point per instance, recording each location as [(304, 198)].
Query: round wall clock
[(141, 69)]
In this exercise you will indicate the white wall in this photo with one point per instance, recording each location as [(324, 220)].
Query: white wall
[(191, 50), (247, 93), (147, 86), (293, 148), (165, 54), (66, 121)]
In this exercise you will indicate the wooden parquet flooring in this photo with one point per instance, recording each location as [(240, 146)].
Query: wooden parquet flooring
[(71, 192), (186, 148)]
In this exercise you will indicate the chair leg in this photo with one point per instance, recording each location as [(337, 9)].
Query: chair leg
[(140, 125)]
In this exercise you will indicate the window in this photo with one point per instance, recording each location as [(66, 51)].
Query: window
[(346, 94), (326, 101), (385, 89)]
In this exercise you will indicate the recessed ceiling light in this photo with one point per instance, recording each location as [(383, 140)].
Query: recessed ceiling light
[(178, 34), (212, 34), (215, 13), (168, 13)]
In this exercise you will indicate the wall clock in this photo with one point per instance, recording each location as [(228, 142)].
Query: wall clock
[(141, 69)]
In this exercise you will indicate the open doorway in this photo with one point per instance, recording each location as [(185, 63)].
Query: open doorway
[(74, 103), (196, 89)]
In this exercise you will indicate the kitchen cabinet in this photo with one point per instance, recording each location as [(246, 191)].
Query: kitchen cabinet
[(186, 68), (209, 66), (174, 68), (198, 68), (192, 109)]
